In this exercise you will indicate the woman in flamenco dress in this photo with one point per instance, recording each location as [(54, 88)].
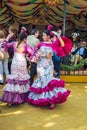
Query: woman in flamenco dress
[(17, 86), (47, 90), (60, 45)]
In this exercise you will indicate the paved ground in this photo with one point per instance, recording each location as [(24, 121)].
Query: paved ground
[(71, 115)]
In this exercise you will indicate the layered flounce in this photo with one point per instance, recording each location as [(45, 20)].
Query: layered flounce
[(63, 51), (53, 93), (68, 45), (14, 98), (15, 91), (48, 98), (51, 85)]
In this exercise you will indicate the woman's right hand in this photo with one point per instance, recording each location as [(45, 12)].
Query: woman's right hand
[(9, 36)]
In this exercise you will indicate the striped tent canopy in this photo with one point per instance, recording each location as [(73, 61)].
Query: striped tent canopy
[(44, 12)]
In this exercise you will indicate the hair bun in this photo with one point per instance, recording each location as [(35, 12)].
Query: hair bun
[(49, 27)]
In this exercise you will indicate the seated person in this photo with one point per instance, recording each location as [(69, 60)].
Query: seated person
[(80, 53)]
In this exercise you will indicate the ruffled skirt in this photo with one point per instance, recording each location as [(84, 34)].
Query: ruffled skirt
[(47, 90), (17, 84)]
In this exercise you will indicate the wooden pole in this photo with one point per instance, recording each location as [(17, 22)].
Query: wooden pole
[(64, 19)]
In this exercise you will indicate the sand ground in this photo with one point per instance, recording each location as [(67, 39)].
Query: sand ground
[(71, 115)]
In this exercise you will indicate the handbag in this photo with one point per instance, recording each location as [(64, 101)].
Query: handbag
[(1, 55), (6, 55)]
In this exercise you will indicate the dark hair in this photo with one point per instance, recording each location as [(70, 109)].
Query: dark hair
[(34, 31), (48, 33), (22, 36)]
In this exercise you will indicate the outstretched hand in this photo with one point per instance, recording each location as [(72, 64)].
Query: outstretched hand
[(9, 36)]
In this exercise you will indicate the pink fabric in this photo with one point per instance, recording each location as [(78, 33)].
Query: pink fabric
[(20, 82), (68, 45), (43, 44), (61, 98), (13, 98), (7, 45), (49, 87), (27, 48), (56, 47), (62, 51)]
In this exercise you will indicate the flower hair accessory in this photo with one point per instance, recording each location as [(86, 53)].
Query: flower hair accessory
[(23, 30), (51, 34), (49, 27)]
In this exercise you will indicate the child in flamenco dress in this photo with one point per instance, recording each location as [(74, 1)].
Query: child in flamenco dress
[(17, 83), (46, 89)]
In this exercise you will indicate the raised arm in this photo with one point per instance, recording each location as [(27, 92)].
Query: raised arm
[(59, 38), (62, 45), (61, 42)]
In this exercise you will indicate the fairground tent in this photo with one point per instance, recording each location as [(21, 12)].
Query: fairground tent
[(40, 12)]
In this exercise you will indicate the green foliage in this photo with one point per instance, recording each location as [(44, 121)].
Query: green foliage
[(74, 67)]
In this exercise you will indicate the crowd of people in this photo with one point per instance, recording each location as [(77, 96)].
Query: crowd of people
[(78, 52), (21, 85)]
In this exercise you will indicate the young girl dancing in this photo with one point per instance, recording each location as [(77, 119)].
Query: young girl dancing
[(17, 83)]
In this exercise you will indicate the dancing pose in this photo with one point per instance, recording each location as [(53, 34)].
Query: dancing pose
[(61, 46), (17, 83), (47, 90)]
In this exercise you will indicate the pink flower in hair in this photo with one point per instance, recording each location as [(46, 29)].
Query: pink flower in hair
[(51, 33), (49, 27)]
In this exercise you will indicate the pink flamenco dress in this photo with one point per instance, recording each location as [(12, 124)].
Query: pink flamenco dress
[(56, 46), (46, 89), (62, 51), (17, 86)]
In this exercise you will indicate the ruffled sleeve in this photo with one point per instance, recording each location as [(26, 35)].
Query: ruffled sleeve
[(36, 48), (62, 51), (28, 50), (7, 45), (57, 48), (68, 45), (34, 57)]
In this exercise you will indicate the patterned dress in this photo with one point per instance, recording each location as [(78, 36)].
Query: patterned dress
[(17, 83), (46, 89), (56, 46)]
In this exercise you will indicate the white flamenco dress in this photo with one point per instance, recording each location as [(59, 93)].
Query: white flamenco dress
[(17, 83), (47, 90)]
